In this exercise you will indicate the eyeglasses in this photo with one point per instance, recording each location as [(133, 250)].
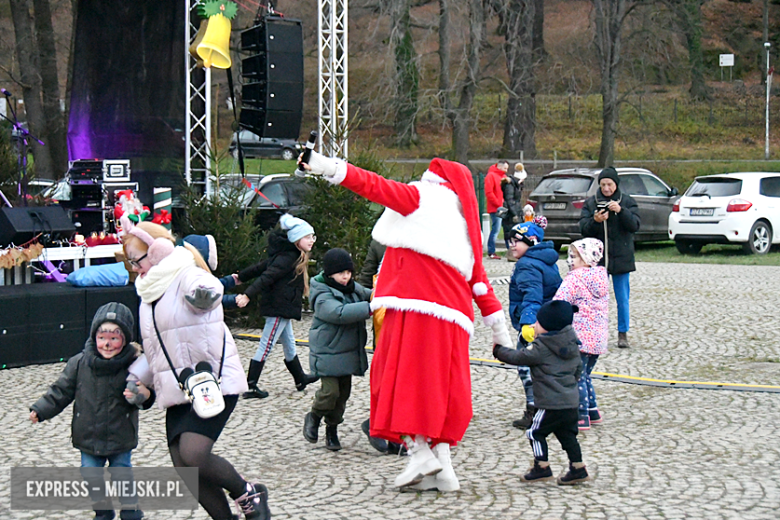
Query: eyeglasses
[(137, 263), (313, 238)]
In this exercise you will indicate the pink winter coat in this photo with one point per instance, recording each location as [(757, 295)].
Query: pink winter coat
[(588, 288), (190, 335)]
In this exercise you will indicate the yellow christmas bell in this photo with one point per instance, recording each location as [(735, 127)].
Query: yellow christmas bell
[(214, 48), (199, 38)]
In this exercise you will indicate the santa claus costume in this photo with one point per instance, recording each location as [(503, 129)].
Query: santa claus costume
[(431, 273)]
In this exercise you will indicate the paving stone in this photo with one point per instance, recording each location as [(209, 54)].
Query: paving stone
[(666, 453)]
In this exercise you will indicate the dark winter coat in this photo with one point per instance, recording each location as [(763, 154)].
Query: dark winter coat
[(512, 189), (228, 300), (534, 282), (279, 287), (619, 227), (104, 423), (338, 331), (555, 364), (376, 252)]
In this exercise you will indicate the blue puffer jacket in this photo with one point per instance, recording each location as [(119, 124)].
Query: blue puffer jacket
[(534, 282)]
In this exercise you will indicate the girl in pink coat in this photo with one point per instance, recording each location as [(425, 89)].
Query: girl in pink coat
[(586, 285)]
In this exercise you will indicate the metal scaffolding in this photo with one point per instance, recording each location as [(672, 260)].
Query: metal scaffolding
[(332, 62), (197, 162)]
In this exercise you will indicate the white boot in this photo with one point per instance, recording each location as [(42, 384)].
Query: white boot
[(445, 480), (422, 462)]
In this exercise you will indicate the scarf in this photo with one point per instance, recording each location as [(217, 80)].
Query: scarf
[(157, 280), (346, 289)]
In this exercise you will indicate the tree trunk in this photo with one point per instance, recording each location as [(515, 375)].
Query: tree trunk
[(609, 22), (30, 80), (407, 76), (520, 125), (538, 32), (54, 133)]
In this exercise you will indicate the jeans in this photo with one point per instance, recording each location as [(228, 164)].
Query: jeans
[(525, 376), (495, 227), (276, 329), (119, 467), (585, 386), (622, 294)]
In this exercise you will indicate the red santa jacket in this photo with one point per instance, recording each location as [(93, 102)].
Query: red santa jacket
[(494, 195), (429, 259)]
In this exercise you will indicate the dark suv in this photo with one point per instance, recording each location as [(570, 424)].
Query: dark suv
[(560, 196), (287, 191), (256, 146)]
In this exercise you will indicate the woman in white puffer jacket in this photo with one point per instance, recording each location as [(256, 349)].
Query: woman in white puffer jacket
[(181, 300)]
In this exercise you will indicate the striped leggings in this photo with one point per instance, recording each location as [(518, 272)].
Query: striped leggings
[(276, 329)]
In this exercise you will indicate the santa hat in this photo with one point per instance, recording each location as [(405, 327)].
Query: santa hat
[(461, 183)]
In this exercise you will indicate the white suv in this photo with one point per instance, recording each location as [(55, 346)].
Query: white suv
[(729, 208)]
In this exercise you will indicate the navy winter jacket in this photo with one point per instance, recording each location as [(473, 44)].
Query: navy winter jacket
[(534, 282)]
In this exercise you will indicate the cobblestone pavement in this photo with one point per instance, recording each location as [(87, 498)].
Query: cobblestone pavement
[(661, 453)]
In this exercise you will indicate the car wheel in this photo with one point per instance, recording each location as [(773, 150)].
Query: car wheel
[(688, 247), (288, 154), (760, 239)]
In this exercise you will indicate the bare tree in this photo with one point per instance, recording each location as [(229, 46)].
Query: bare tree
[(609, 15), (538, 33), (407, 76), (30, 81), (459, 115), (54, 130), (689, 18), (520, 125)]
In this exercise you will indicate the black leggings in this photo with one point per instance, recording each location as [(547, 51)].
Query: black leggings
[(193, 450)]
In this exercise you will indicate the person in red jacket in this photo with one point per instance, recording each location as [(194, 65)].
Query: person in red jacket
[(495, 199), (431, 275)]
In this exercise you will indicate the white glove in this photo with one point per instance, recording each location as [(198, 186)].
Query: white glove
[(321, 165), (501, 335)]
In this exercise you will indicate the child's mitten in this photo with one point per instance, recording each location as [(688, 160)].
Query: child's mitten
[(138, 398), (527, 331)]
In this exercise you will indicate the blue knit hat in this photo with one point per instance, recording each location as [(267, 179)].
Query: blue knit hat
[(296, 228), (528, 232), (206, 246)]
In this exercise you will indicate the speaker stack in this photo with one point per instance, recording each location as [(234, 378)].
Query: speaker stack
[(272, 93), (18, 225)]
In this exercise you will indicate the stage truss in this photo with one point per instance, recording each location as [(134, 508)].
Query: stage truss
[(332, 81)]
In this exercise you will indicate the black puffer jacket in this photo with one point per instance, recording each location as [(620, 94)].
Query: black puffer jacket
[(556, 367), (512, 189), (104, 423), (279, 287), (619, 249)]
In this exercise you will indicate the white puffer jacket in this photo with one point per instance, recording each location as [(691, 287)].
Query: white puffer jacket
[(190, 335)]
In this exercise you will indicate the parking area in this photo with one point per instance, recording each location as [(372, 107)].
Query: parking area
[(661, 453)]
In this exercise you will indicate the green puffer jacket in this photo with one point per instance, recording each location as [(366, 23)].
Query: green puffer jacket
[(338, 332)]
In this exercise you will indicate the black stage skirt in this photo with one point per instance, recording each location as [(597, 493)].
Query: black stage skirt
[(181, 418)]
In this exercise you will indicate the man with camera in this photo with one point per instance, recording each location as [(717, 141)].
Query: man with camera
[(611, 216)]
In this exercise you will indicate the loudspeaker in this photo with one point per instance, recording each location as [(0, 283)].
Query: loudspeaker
[(57, 330), (18, 225), (272, 103), (14, 333)]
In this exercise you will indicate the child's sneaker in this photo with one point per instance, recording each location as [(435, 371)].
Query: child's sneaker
[(596, 417), (538, 473), (576, 474), (583, 424)]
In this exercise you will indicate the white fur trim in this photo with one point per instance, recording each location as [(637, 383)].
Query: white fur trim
[(436, 228), (429, 176), (212, 252), (479, 289), (492, 319), (341, 172), (425, 307)]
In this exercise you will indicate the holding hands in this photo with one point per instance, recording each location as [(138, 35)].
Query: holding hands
[(242, 300), (136, 393)]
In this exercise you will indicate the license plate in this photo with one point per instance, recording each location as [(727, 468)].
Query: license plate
[(702, 212), (554, 205)]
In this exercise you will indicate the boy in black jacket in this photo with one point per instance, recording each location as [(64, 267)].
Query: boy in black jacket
[(105, 414), (555, 367)]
